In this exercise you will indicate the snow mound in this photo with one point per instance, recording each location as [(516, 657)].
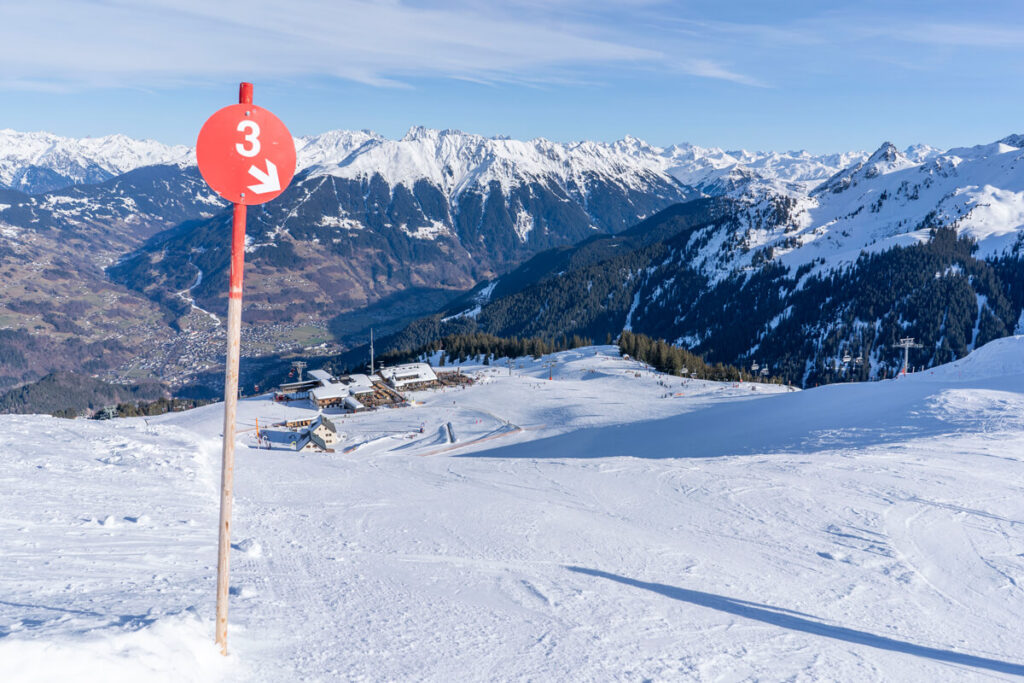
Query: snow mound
[(999, 358), (174, 648), (250, 547)]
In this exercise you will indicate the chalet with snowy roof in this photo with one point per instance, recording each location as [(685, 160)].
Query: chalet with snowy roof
[(342, 392), (318, 434), (358, 384), (323, 428), (328, 395), (303, 388), (309, 441), (354, 405), (411, 376)]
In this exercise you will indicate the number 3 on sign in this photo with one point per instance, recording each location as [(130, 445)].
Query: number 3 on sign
[(253, 138)]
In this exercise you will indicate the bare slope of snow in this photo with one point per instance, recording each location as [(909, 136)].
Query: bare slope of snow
[(609, 524)]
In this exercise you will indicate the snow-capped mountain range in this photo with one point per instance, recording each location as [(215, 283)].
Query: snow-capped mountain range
[(891, 198), (367, 217), (796, 277), (40, 162), (453, 160), (880, 199)]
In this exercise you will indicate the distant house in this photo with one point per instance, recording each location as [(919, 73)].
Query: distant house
[(331, 391), (319, 434), (409, 376), (323, 428), (290, 391), (310, 441), (327, 395), (358, 392)]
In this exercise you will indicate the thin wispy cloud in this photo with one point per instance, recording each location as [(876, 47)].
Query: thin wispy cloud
[(960, 35), (388, 44), (743, 73), (710, 69)]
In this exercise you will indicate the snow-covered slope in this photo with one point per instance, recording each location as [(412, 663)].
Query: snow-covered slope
[(609, 524), (38, 162), (893, 199)]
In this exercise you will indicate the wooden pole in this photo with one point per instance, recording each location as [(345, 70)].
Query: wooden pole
[(230, 404)]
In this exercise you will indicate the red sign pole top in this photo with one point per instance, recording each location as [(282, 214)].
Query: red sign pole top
[(245, 153)]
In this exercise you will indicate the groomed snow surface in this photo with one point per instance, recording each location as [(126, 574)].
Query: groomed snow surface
[(611, 524)]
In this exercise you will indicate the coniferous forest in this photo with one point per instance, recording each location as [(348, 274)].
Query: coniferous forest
[(808, 325)]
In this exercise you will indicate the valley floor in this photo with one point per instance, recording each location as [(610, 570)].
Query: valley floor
[(610, 524)]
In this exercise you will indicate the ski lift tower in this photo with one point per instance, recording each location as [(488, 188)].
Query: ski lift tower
[(371, 352), (299, 366), (550, 365), (907, 343)]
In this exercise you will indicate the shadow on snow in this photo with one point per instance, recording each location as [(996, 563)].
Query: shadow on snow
[(836, 416), (804, 623)]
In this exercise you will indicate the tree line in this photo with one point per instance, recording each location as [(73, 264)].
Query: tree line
[(458, 348), (675, 360), (149, 408)]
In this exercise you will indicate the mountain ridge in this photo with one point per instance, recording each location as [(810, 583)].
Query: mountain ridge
[(370, 220), (86, 160)]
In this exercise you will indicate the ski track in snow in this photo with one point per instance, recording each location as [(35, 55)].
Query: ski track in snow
[(859, 532)]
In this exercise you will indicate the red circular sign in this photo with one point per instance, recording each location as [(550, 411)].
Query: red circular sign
[(246, 154)]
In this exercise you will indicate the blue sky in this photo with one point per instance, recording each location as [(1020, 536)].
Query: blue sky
[(823, 76)]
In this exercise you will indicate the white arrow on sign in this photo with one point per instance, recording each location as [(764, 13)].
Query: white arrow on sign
[(269, 181)]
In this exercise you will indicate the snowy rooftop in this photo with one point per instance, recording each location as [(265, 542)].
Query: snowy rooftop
[(321, 375), (329, 391), (409, 373)]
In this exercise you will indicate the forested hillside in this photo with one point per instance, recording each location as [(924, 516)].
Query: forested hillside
[(799, 322), (67, 394)]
